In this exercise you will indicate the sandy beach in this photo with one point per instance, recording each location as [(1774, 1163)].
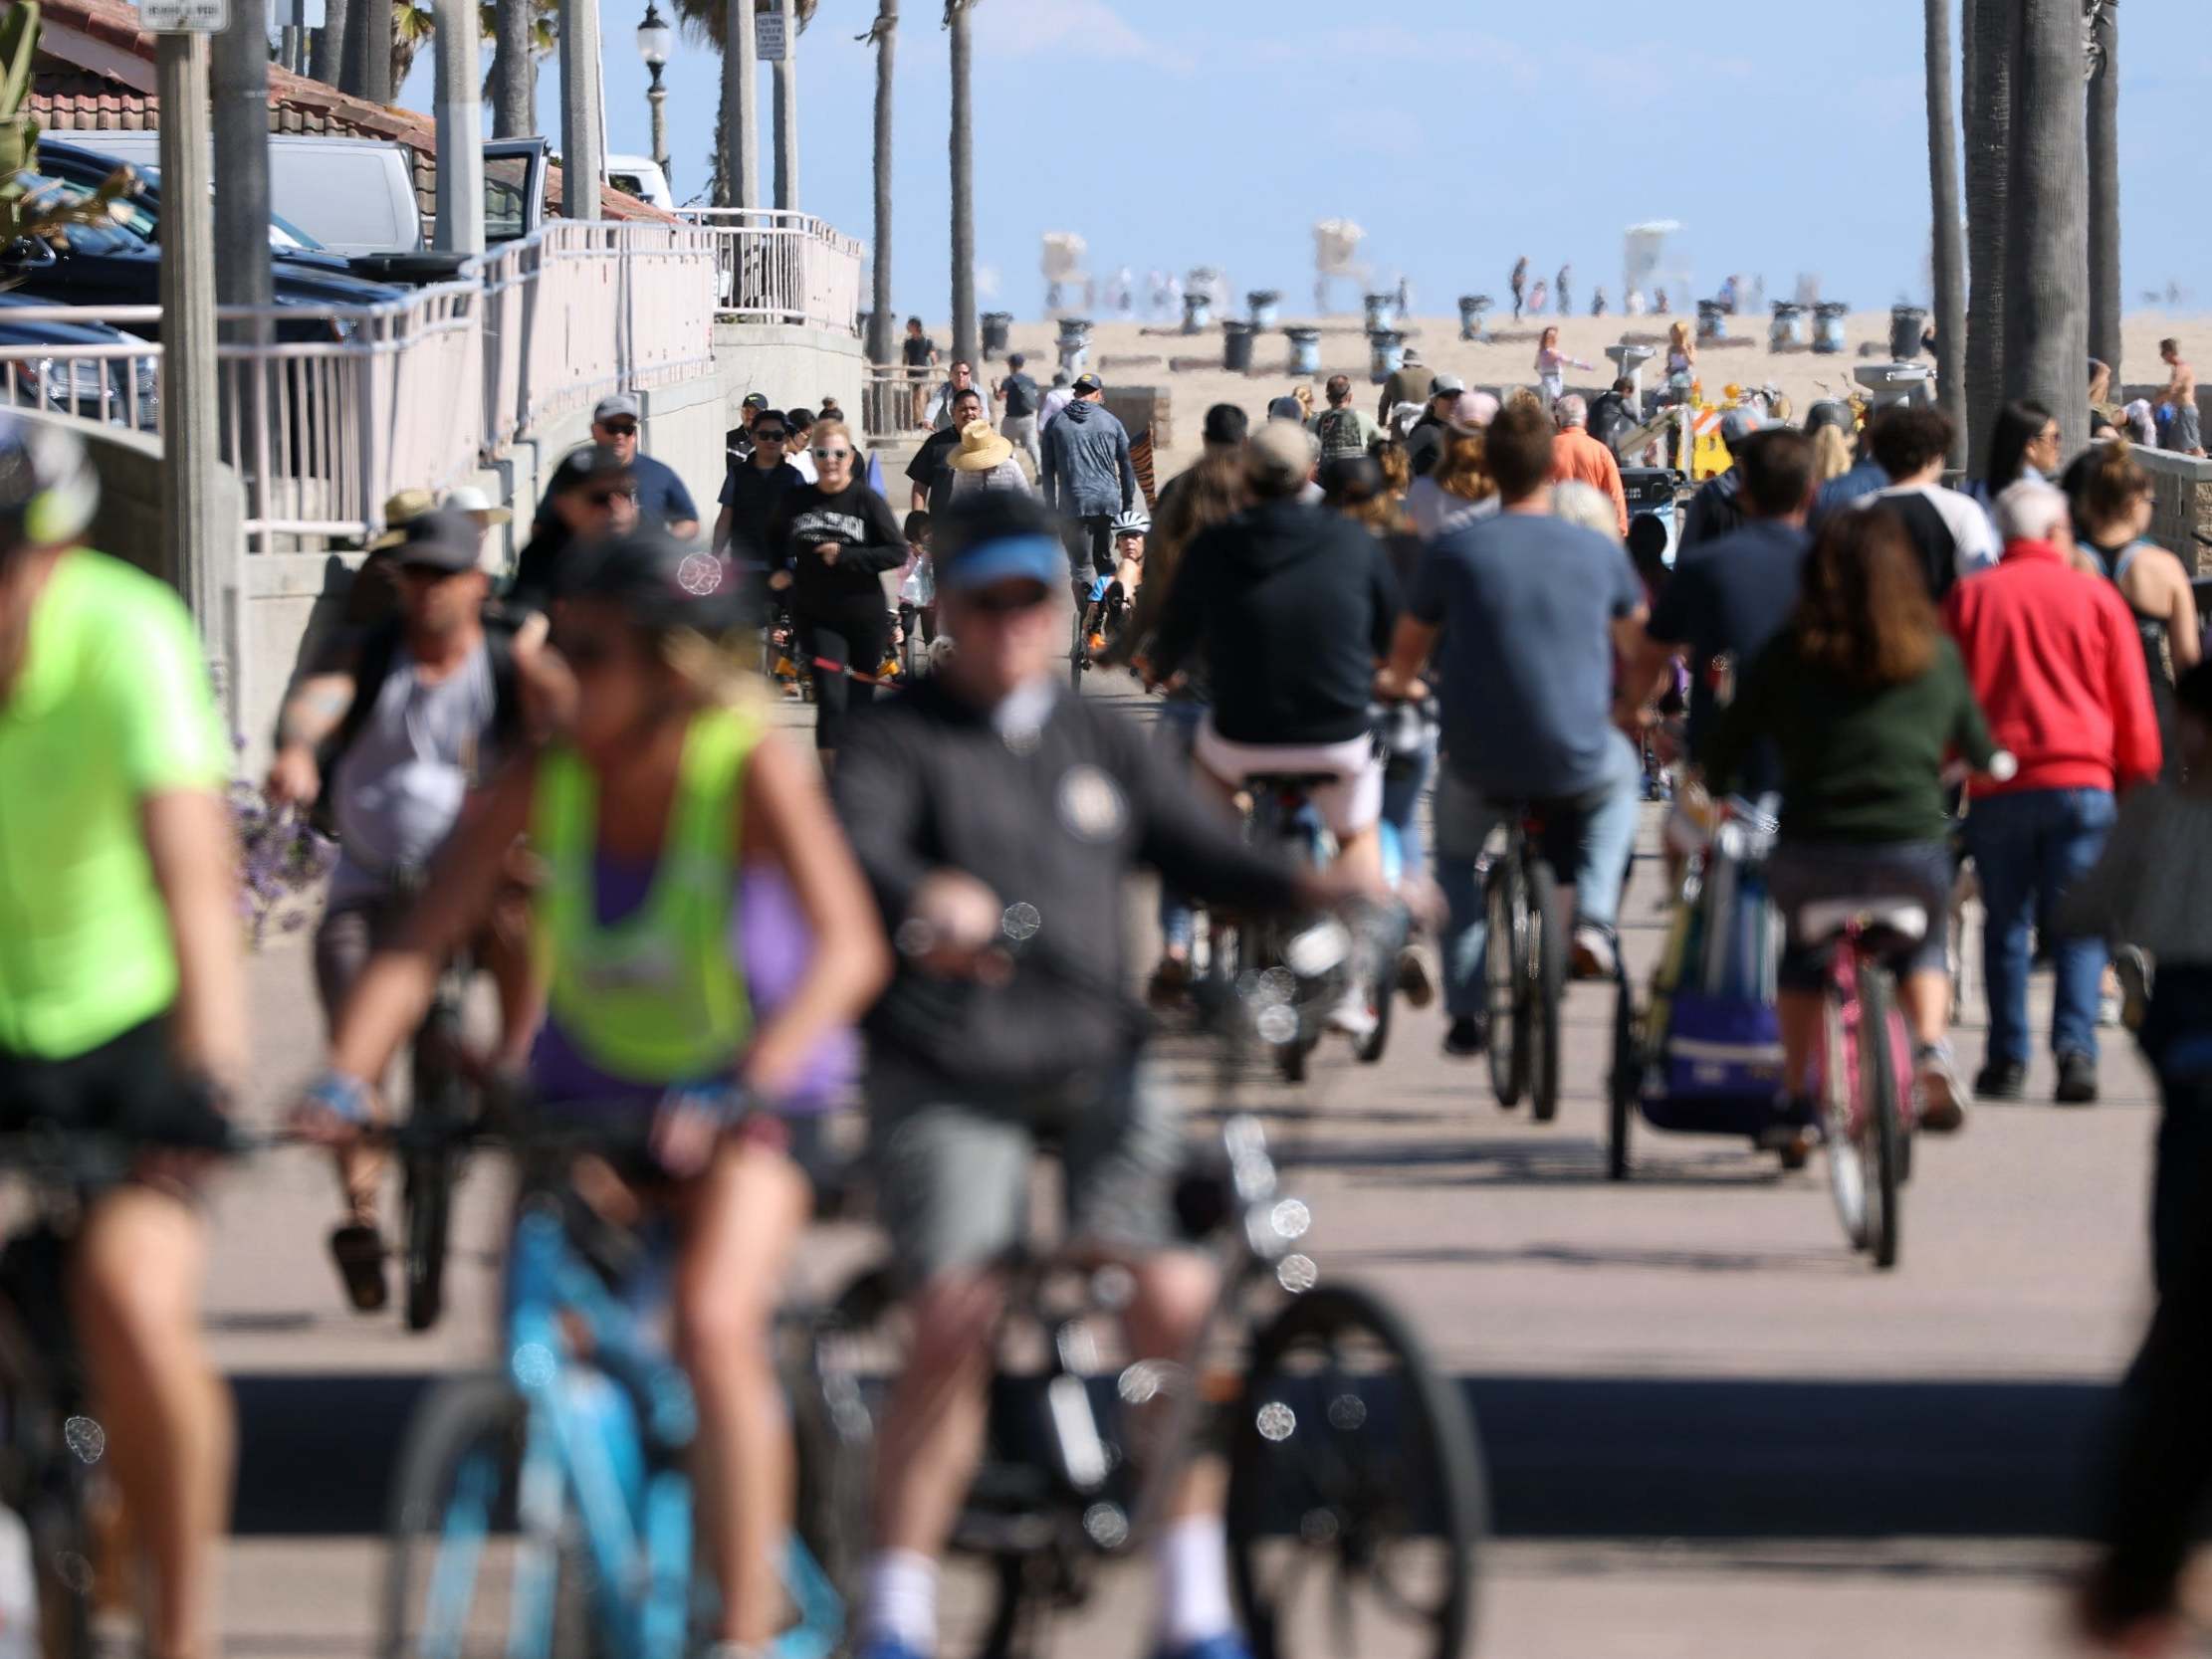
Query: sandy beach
[(1189, 366)]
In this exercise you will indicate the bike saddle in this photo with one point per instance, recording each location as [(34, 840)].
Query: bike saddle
[(1883, 924)]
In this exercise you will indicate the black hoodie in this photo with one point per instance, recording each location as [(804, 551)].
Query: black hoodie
[(1292, 608)]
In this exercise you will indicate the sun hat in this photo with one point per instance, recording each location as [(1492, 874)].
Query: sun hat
[(468, 498), (401, 509), (981, 449), (1471, 412)]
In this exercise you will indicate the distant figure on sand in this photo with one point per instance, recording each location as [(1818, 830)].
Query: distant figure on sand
[(2186, 434), (1551, 383), (1520, 284), (1560, 291), (1596, 304)]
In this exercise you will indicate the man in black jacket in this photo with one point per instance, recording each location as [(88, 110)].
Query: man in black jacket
[(752, 490), (996, 818)]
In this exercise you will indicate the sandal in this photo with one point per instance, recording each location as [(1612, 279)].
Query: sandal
[(358, 1251)]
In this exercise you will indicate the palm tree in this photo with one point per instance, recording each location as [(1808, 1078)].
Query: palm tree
[(706, 23), (885, 38), (413, 22), (1950, 251), (2046, 311), (327, 58), (2103, 150), (1987, 34), (967, 343), (522, 33)]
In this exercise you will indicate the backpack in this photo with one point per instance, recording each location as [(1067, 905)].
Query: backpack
[(1339, 433), (1022, 396)]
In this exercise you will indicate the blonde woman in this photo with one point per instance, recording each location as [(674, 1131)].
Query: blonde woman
[(1831, 453)]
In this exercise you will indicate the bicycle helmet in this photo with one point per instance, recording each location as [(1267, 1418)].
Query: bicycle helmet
[(661, 583), (48, 489), (1136, 522)]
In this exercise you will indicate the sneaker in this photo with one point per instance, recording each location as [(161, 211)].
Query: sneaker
[(1228, 1645), (1594, 957), (1470, 1035), (2001, 1080), (2132, 969), (2077, 1080), (1351, 1016), (1098, 645), (1415, 983), (1942, 1093)]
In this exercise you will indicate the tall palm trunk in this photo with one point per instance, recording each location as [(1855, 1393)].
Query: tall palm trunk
[(2047, 279), (325, 61), (1950, 251), (513, 113), (967, 343), (1988, 33), (885, 34), (2103, 142)]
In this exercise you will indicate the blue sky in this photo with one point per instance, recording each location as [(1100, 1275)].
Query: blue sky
[(1182, 133)]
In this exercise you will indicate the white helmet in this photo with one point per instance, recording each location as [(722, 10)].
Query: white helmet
[(1136, 522)]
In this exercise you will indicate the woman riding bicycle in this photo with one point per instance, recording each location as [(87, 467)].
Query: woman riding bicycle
[(1863, 697), (677, 836)]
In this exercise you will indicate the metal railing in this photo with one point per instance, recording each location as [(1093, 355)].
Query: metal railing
[(326, 410), (777, 267), (895, 402)]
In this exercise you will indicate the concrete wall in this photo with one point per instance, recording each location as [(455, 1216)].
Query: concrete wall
[(793, 366), (2184, 506)]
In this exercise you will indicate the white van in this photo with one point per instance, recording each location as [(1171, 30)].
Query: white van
[(641, 176), (353, 195)]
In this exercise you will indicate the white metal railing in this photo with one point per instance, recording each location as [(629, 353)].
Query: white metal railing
[(773, 266), (896, 400), (331, 408)]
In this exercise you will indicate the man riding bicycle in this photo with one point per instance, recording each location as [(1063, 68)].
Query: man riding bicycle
[(1530, 611), (122, 989), (401, 723), (1292, 607), (987, 805)]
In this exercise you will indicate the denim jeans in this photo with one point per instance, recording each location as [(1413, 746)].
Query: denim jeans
[(1401, 804), (1179, 719), (1605, 837), (2028, 849)]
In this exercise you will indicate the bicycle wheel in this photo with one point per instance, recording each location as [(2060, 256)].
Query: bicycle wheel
[(1841, 1111), (1078, 651), (1505, 969), (1881, 1124), (1623, 1083), (428, 1168), (1546, 968), (1355, 1498), (841, 1360), (461, 1580)]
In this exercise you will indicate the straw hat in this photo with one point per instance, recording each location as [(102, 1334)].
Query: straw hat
[(473, 502), (981, 449), (401, 509)]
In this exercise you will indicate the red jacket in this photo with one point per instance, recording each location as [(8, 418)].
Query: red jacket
[(2058, 666)]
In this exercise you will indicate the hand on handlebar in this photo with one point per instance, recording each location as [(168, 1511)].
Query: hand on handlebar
[(955, 929), (333, 1111), (1392, 688)]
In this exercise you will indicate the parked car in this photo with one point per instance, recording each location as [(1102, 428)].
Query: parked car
[(39, 368), (91, 168), (106, 265), (641, 176)]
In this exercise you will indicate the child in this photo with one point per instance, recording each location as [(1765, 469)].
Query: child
[(918, 580), (2151, 893), (1130, 530)]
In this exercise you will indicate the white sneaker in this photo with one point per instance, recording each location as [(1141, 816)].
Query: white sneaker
[(1594, 957), (1415, 983), (1352, 1017)]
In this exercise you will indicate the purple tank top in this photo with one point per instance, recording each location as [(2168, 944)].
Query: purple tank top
[(769, 933)]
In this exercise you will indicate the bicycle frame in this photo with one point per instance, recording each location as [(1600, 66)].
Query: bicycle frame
[(1845, 960)]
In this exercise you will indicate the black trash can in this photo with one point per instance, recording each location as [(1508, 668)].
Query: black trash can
[(996, 324), (1906, 324), (1236, 346)]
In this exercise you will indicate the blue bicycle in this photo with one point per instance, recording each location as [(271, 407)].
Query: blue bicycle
[(546, 1510)]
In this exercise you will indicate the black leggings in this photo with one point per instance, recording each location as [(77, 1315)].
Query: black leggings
[(853, 635)]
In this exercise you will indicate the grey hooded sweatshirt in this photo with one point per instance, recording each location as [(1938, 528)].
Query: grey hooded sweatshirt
[(1087, 470)]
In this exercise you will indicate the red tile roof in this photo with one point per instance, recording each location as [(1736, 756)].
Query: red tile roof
[(68, 96)]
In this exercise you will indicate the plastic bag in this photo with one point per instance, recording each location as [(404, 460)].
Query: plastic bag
[(920, 585)]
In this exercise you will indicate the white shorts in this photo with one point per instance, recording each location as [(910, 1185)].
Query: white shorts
[(1354, 802)]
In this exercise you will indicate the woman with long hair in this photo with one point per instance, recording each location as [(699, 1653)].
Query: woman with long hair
[(1458, 489), (707, 938), (1681, 350), (1831, 453), (1551, 367), (835, 538), (2113, 502), (1863, 697)]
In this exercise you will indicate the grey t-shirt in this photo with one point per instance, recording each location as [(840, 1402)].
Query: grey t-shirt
[(1525, 666), (396, 793)]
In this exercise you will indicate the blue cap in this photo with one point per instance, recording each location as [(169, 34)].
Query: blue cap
[(1021, 557)]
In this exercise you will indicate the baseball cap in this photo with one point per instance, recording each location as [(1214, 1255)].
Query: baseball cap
[(593, 462), (996, 536), (618, 407), (1088, 383), (1279, 457), (1447, 383), (439, 539), (1286, 409), (1471, 412), (1738, 424), (659, 582)]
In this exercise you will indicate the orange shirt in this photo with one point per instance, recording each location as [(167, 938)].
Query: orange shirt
[(1577, 455)]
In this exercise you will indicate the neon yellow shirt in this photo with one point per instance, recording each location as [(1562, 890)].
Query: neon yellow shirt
[(111, 706)]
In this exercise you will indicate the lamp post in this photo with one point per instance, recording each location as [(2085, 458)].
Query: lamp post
[(653, 40)]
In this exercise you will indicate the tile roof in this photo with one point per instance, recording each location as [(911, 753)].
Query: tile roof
[(71, 95)]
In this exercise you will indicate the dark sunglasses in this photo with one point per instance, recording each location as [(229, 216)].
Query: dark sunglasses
[(1006, 601), (606, 497), (427, 572), (583, 652), (770, 434), (621, 429)]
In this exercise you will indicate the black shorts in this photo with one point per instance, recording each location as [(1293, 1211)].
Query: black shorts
[(129, 1090)]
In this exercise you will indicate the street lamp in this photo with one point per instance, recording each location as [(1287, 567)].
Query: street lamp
[(654, 37)]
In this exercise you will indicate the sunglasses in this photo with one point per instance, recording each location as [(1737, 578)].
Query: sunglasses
[(1007, 602), (607, 497), (831, 454), (583, 652), (621, 429), (427, 572), (770, 434)]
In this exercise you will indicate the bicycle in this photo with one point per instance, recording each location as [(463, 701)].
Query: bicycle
[(431, 1146), (1864, 1062), (547, 1507), (1525, 964), (1353, 1462), (1104, 613)]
